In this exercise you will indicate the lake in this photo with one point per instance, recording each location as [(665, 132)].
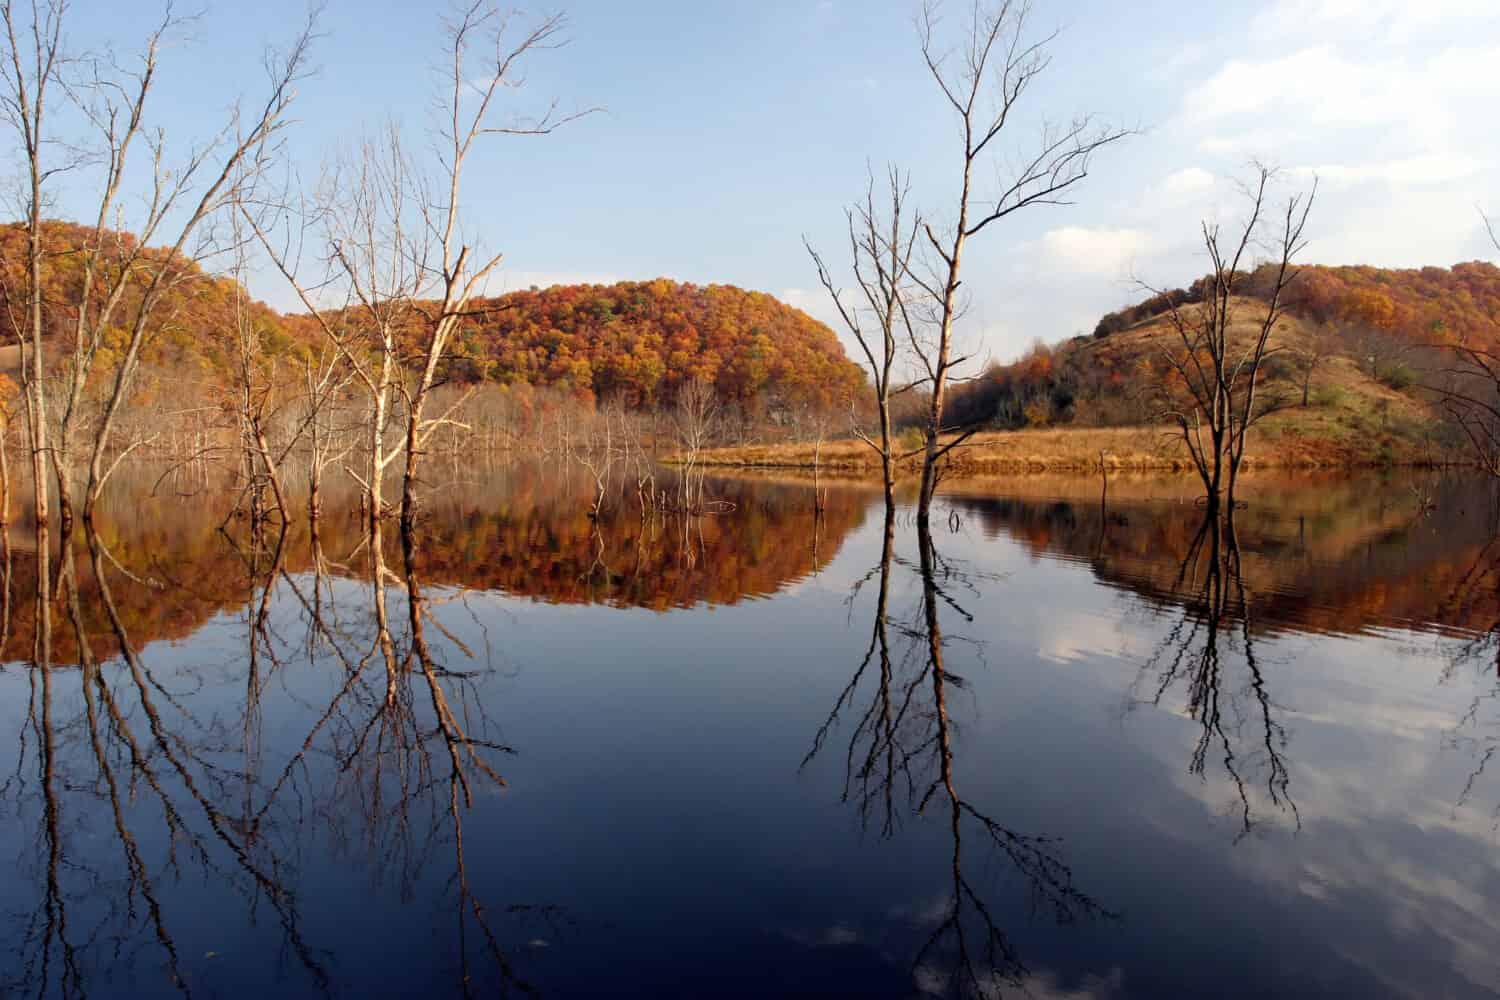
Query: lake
[(1072, 743)]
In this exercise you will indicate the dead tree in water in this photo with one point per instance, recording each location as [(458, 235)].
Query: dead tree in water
[(123, 281), (372, 273), (393, 253), (1212, 390), (113, 101), (881, 245), (695, 418), (29, 77), (467, 117), (326, 379), (996, 64), (254, 396)]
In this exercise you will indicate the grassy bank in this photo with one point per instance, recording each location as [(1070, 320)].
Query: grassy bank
[(1315, 438)]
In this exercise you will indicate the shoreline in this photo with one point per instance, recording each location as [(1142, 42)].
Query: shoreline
[(1079, 451)]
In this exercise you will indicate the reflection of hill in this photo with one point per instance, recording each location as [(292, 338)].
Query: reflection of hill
[(517, 529), (1336, 558), (537, 541)]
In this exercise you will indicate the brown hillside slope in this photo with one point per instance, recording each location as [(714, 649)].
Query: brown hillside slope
[(1352, 418)]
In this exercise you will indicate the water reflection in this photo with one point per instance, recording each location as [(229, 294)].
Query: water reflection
[(388, 753), (1322, 555), (1209, 655), (1476, 734), (518, 530), (900, 760), (458, 760)]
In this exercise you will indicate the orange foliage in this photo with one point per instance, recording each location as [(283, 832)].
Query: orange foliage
[(643, 339), (637, 340)]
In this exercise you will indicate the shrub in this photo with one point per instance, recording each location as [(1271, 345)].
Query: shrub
[(1329, 396), (1399, 377), (1278, 368)]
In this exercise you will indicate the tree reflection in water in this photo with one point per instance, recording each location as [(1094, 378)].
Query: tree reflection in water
[(900, 760), (385, 772), (1476, 734), (1237, 724)]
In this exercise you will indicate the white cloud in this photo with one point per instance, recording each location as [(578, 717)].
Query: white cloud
[(1394, 20), (1187, 181), (1248, 143), (814, 303), (1412, 100), (1068, 638), (1383, 109), (1434, 168), (1102, 251), (1390, 228), (1184, 57), (1317, 84)]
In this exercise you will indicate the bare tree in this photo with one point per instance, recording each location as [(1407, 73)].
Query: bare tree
[(983, 79), (1469, 390), (1383, 351), (363, 217), (695, 418), (30, 75), (326, 378), (255, 394), (1470, 395), (881, 244), (123, 280), (397, 270), (1215, 374), (468, 117)]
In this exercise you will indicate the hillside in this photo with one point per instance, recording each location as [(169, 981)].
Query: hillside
[(194, 326), (643, 339), (1345, 383), (637, 340), (1349, 381)]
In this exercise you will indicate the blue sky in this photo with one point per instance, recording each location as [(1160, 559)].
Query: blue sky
[(733, 129)]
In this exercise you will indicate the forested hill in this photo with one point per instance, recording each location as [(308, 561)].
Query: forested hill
[(637, 340), (1351, 359), (643, 339)]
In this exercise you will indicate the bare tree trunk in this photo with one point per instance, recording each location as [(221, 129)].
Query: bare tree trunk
[(996, 65)]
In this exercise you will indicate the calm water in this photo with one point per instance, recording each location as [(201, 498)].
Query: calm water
[(1068, 748)]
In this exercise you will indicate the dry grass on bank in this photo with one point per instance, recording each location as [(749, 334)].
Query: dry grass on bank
[(1296, 439), (1055, 450)]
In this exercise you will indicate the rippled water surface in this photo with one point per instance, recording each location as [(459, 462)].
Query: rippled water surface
[(1076, 745)]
